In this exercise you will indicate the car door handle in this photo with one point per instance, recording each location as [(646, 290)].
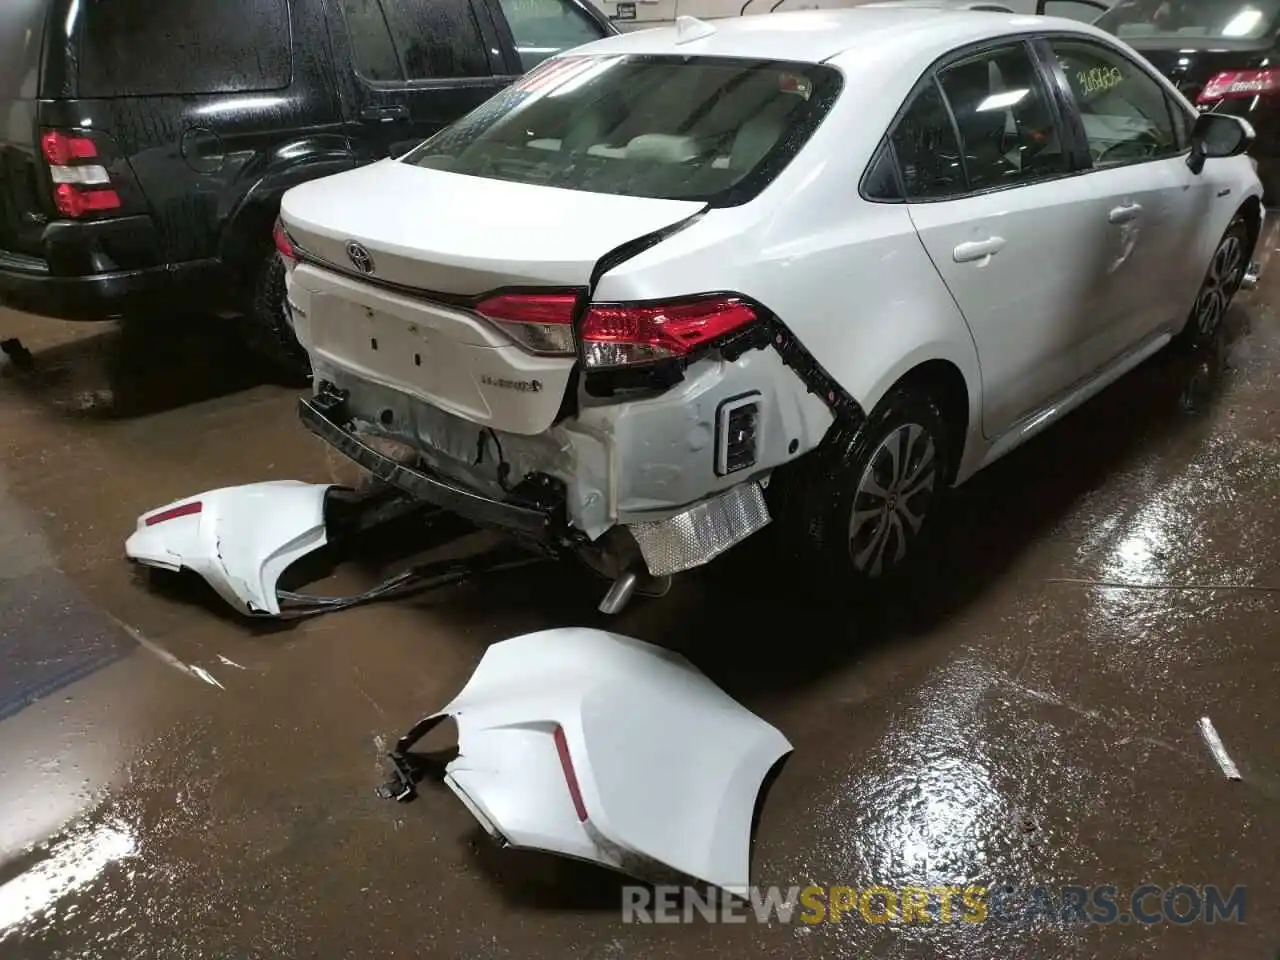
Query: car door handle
[(977, 249), (1124, 213), (395, 111)]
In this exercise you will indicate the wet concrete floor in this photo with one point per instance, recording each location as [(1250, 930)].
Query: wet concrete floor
[(1016, 720)]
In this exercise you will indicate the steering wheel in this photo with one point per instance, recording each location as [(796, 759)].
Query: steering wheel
[(1139, 148)]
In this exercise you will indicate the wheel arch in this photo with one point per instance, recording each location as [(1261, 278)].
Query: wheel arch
[(954, 382), (248, 226)]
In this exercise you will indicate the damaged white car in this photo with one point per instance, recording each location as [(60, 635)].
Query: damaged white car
[(848, 256)]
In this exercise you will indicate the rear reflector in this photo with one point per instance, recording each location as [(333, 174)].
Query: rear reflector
[(615, 335), (570, 777), (1234, 84), (72, 201), (283, 244), (60, 149), (539, 322), (173, 513)]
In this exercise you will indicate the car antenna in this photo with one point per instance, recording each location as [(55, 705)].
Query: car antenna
[(689, 29)]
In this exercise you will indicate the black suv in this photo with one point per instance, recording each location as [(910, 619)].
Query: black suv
[(144, 145)]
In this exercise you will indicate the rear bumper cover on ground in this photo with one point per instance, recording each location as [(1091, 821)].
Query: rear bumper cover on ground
[(605, 748)]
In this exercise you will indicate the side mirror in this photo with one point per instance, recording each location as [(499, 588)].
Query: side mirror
[(1218, 135)]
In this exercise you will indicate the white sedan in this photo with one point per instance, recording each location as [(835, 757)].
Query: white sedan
[(810, 267)]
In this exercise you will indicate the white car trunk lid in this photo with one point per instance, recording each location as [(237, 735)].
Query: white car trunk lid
[(450, 234), (433, 237)]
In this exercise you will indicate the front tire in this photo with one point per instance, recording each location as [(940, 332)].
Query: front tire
[(1221, 282), (858, 511)]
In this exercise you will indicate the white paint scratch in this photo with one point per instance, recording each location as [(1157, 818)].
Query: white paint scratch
[(206, 676)]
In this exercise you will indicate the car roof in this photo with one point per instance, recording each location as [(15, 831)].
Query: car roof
[(814, 36)]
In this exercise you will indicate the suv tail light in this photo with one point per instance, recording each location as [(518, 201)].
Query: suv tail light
[(540, 322), (1234, 84), (82, 185), (621, 334)]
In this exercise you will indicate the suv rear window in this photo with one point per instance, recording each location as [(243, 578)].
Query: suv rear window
[(146, 48), (683, 128), (21, 36), (1191, 19)]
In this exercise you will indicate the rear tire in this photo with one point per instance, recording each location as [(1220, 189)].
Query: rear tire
[(856, 513), (270, 335), (1221, 282)]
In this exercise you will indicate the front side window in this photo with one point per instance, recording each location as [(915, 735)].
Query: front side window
[(1191, 20), (141, 48), (684, 128), (543, 28), (1125, 110), (925, 144), (1007, 127)]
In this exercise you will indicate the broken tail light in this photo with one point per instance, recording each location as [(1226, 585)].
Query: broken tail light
[(1234, 84), (82, 184), (539, 322), (622, 334)]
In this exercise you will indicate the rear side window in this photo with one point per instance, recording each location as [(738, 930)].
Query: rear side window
[(371, 47), (437, 39), (542, 28), (925, 144), (699, 128), (1006, 124), (146, 48), (21, 35)]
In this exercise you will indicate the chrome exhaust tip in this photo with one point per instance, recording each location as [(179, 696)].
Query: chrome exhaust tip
[(1250, 279)]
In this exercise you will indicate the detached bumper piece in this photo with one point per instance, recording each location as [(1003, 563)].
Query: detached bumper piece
[(540, 520), (600, 747), (240, 540)]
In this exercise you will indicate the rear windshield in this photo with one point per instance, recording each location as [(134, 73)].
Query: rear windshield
[(153, 47), (1191, 19), (21, 36), (681, 128)]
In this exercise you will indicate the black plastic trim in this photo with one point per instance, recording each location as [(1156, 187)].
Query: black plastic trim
[(719, 433)]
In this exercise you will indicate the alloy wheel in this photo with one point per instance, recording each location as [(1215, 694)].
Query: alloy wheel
[(892, 499), (1226, 270)]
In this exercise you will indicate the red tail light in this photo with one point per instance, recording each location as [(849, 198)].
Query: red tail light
[(615, 335), (1234, 84), (60, 149), (80, 186), (173, 513), (541, 322), (570, 777), (75, 203), (283, 244)]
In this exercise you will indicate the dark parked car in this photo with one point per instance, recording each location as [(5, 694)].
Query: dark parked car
[(1224, 55), (144, 145)]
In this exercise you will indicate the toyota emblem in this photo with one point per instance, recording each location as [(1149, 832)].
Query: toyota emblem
[(359, 257)]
